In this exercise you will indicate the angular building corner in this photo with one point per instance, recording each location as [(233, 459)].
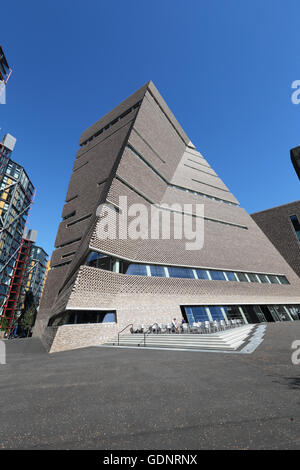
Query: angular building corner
[(281, 225), (96, 287)]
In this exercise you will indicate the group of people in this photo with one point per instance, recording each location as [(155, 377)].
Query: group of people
[(176, 324)]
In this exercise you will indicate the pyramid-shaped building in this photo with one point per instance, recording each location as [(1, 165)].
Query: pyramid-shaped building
[(139, 153)]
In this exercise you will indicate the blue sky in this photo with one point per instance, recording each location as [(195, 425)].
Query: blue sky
[(225, 67)]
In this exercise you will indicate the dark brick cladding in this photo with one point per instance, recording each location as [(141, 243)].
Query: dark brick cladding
[(277, 226), (104, 169)]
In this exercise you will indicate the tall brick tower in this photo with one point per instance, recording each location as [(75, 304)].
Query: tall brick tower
[(96, 287)]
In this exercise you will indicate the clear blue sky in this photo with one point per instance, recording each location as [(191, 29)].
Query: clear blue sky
[(225, 68)]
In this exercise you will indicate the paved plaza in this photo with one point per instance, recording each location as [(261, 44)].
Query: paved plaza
[(109, 398)]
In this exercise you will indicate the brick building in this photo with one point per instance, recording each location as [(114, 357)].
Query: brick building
[(282, 226), (96, 287)]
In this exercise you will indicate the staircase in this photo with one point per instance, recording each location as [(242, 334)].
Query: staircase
[(229, 340)]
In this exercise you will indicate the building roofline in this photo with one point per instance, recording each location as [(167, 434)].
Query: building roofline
[(130, 101), (16, 163), (276, 207), (113, 113), (38, 246)]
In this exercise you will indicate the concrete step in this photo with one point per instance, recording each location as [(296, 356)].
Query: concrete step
[(176, 343), (225, 340), (226, 336)]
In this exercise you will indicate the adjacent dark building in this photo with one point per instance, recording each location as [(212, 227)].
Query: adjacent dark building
[(282, 226), (5, 70), (36, 272), (96, 287), (16, 196), (27, 280), (11, 309), (295, 157), (5, 73)]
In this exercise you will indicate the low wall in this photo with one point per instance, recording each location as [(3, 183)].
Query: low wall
[(82, 336), (93, 334)]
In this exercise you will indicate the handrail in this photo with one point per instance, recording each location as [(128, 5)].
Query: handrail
[(130, 324), (150, 327), (148, 332)]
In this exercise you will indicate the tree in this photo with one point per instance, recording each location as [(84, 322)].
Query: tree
[(27, 320), (4, 324)]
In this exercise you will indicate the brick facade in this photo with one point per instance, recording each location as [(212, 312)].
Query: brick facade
[(277, 226), (140, 151)]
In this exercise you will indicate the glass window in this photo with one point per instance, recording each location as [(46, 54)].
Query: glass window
[(98, 260), (260, 315), (81, 317), (233, 312), (181, 272), (294, 311), (216, 313), (263, 278), (273, 279), (137, 270), (217, 275), (252, 277), (109, 317), (242, 277), (199, 314), (189, 314), (281, 312), (283, 280), (124, 265), (202, 274), (296, 225), (274, 312), (230, 276), (157, 271)]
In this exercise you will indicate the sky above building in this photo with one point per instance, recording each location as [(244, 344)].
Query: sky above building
[(225, 68)]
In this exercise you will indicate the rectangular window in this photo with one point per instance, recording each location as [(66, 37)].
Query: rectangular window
[(233, 312), (199, 314), (98, 260), (189, 314), (230, 276), (252, 277), (294, 311), (217, 275), (157, 271), (216, 313), (296, 225), (273, 279), (242, 277), (137, 270), (181, 272), (202, 274), (263, 278)]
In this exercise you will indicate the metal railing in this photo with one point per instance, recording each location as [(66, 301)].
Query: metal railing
[(150, 330), (130, 324), (205, 327), (209, 327)]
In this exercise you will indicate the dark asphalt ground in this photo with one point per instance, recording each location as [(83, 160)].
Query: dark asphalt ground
[(104, 398)]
